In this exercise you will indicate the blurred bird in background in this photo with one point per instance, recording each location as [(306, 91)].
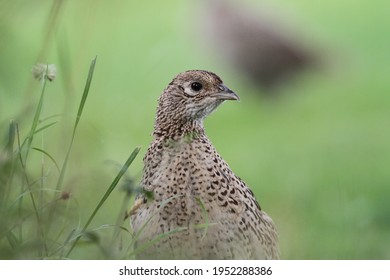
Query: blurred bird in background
[(260, 47)]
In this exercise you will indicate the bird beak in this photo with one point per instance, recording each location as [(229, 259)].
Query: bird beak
[(226, 93)]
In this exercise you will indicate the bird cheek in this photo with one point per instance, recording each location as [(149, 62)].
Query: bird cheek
[(191, 111)]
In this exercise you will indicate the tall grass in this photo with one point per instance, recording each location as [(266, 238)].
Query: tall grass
[(317, 157), (35, 213)]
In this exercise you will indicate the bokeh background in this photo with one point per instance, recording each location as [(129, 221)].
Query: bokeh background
[(314, 147)]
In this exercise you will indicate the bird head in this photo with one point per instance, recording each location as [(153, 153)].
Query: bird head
[(188, 99)]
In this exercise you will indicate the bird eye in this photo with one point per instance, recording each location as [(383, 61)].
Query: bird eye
[(195, 86)]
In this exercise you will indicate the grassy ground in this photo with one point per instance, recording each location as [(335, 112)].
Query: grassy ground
[(317, 157)]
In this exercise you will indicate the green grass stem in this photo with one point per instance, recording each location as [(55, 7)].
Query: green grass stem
[(37, 114), (106, 195), (79, 113)]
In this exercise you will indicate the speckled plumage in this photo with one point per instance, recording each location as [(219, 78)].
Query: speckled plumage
[(199, 209)]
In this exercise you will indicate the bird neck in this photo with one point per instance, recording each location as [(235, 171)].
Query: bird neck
[(185, 130)]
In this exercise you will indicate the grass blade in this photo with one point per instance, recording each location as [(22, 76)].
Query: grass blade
[(48, 155), (11, 139), (44, 127), (145, 246), (85, 94), (205, 216), (7, 172), (37, 115), (106, 195), (79, 113)]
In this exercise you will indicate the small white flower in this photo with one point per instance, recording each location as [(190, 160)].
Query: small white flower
[(47, 71)]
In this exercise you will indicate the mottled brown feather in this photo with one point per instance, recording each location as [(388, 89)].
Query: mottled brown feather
[(199, 208)]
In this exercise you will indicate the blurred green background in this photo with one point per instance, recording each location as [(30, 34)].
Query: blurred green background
[(317, 156)]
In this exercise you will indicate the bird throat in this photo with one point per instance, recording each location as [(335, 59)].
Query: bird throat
[(187, 138), (187, 131)]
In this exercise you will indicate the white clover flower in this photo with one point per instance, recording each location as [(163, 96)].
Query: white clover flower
[(47, 71)]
